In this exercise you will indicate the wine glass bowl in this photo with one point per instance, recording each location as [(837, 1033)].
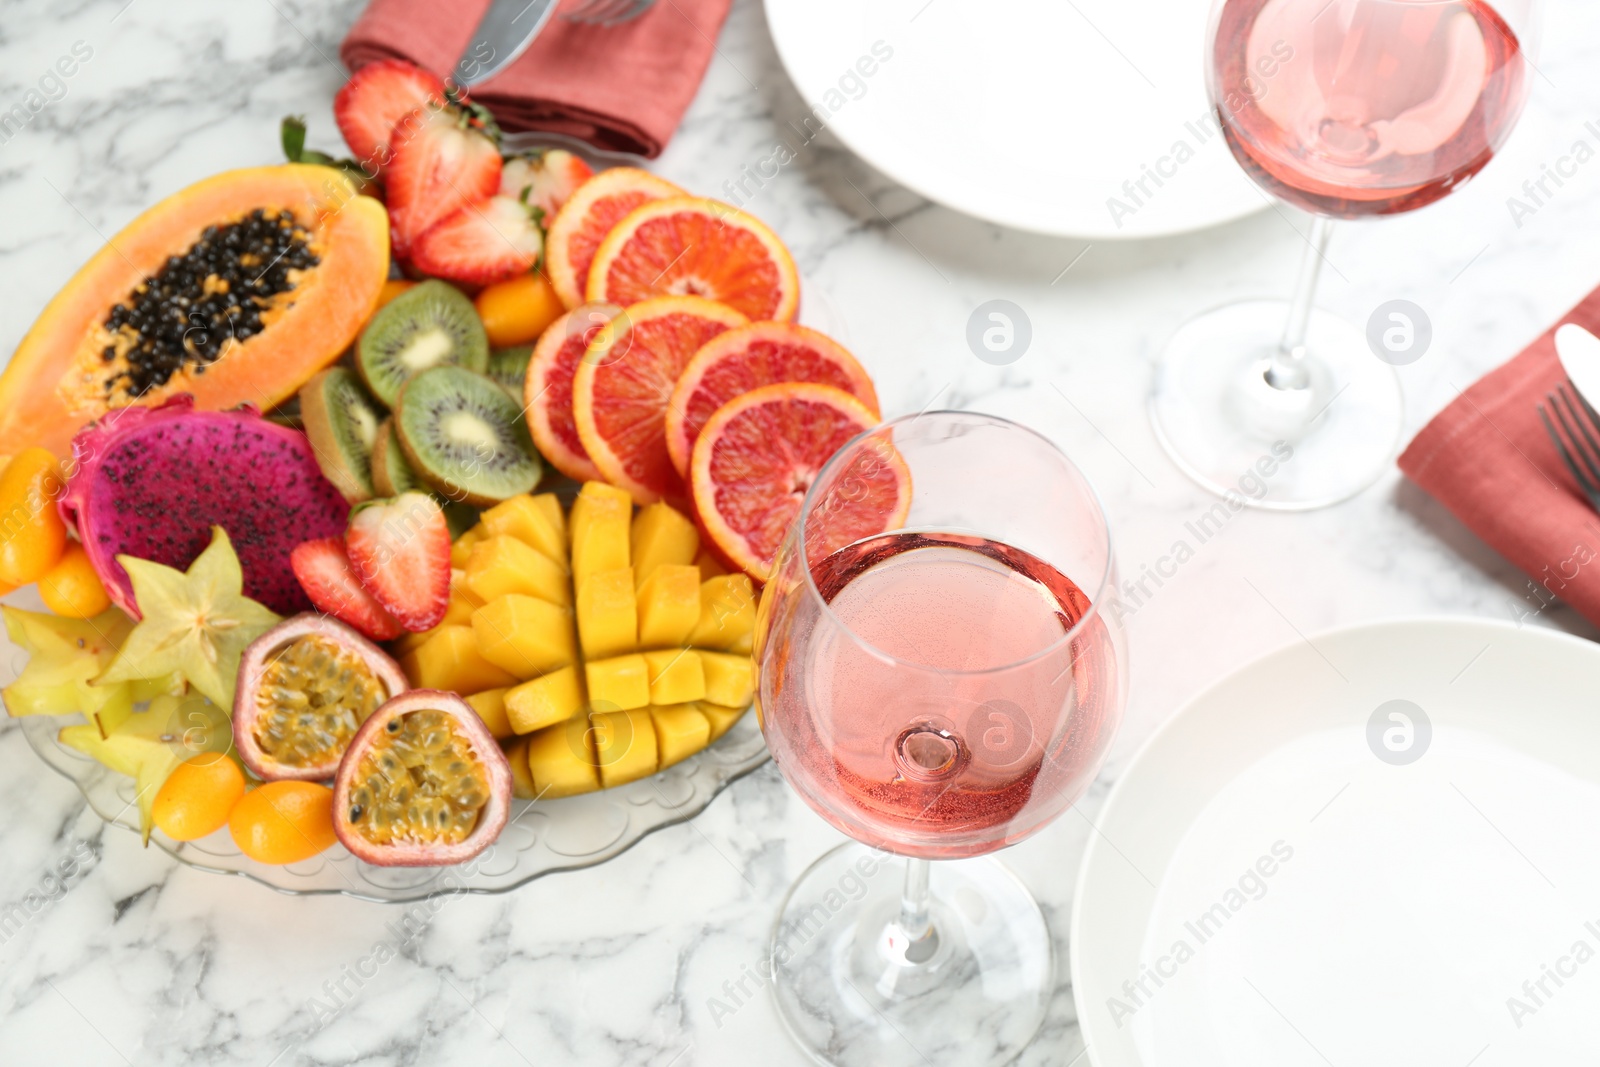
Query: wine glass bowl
[(938, 686), (1349, 108)]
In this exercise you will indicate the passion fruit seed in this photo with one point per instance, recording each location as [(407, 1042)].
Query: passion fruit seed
[(187, 311), (314, 695), (418, 782)]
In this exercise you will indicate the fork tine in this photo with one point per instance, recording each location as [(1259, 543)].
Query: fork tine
[(637, 8), (1566, 457), (596, 11), (1587, 455)]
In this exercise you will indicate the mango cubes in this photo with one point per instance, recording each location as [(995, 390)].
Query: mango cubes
[(600, 645)]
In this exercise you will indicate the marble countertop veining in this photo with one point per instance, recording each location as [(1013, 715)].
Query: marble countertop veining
[(129, 958)]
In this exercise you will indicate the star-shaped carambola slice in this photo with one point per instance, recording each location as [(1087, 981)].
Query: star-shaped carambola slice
[(196, 623), (148, 744), (65, 657)]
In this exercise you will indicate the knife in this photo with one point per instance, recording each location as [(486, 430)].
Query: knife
[(1579, 351), (504, 33)]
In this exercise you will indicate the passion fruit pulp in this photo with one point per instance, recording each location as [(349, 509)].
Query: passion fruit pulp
[(305, 688), (423, 784)]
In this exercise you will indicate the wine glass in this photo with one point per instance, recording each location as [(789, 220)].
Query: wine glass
[(1347, 109), (938, 679)]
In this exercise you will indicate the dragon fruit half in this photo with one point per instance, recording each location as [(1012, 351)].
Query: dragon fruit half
[(150, 482)]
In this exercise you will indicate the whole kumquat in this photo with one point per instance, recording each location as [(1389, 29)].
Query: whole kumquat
[(72, 588), (32, 534), (198, 796), (283, 822), (517, 310)]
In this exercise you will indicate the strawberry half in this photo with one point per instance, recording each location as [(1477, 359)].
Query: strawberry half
[(440, 162), (544, 179), (481, 243), (323, 569), (400, 550), (375, 98)]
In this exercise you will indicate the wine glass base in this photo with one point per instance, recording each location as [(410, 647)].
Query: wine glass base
[(851, 990), (1278, 449)]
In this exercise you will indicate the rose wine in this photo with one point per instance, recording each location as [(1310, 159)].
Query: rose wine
[(1365, 107), (936, 705)]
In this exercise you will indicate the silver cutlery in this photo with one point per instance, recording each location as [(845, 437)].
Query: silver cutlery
[(509, 27), (1579, 449)]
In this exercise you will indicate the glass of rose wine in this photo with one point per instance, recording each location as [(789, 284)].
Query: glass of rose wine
[(938, 680), (1346, 109)]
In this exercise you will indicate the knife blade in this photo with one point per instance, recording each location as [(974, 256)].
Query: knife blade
[(504, 33), (1579, 351)]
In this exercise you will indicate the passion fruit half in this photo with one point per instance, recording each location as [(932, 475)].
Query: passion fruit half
[(305, 688), (424, 784)]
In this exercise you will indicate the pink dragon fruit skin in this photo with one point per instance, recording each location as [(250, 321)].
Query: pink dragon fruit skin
[(150, 482)]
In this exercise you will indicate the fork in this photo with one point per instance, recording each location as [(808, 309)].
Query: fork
[(1580, 441), (609, 12)]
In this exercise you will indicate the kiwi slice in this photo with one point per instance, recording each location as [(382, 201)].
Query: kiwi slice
[(342, 419), (509, 367), (465, 437), (391, 474), (429, 325)]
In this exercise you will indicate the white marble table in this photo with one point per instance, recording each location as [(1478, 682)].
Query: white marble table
[(140, 961)]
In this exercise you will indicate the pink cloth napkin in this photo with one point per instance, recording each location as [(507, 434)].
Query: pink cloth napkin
[(617, 87), (1487, 458)]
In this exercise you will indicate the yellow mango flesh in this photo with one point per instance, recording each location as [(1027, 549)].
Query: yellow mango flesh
[(621, 683), (600, 531), (670, 606), (730, 678), (561, 760), (661, 536), (727, 613), (525, 519), (625, 745), (681, 731), (522, 786), (491, 708), (677, 676), (500, 566), (525, 635), (450, 660), (608, 614), (556, 697), (721, 719)]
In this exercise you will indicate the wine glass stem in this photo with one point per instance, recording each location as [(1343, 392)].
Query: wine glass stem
[(914, 918), (1288, 367)]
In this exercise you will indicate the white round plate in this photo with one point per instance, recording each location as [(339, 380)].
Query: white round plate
[(1041, 115), (1272, 883)]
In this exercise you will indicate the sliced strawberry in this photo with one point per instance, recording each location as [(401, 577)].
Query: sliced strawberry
[(548, 175), (481, 243), (400, 550), (441, 161), (323, 568), (375, 98)]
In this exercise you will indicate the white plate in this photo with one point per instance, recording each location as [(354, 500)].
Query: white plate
[(1029, 113), (1359, 911)]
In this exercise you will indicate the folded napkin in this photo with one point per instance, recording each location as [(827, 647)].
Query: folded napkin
[(617, 87), (1487, 458)]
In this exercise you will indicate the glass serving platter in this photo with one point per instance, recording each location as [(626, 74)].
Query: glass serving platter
[(542, 836)]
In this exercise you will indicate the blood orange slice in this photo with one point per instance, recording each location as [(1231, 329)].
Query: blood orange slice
[(547, 389), (687, 246), (762, 353), (757, 456), (583, 222), (621, 388)]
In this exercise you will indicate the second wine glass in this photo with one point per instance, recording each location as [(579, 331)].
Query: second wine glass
[(1347, 109)]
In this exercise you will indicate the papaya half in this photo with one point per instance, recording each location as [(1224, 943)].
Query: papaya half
[(237, 289)]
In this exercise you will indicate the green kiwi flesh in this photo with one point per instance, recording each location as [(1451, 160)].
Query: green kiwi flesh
[(465, 437), (509, 367), (341, 419), (391, 474), (428, 325)]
